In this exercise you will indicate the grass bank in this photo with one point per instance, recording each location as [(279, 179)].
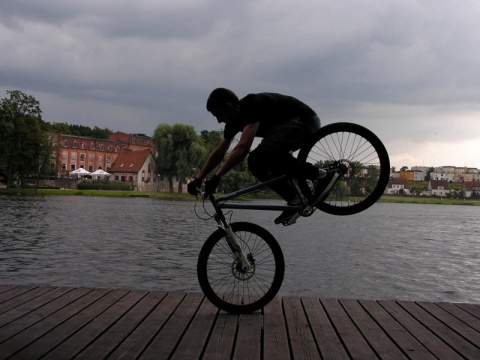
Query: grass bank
[(428, 200), (186, 196), (111, 193)]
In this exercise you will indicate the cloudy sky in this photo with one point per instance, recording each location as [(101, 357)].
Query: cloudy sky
[(408, 70)]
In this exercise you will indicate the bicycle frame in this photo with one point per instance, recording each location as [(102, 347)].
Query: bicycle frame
[(220, 203)]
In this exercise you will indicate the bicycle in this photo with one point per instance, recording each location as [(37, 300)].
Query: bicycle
[(241, 266)]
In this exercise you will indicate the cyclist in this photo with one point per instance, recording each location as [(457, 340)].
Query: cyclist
[(283, 122)]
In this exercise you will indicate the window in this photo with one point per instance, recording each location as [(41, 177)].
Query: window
[(64, 155), (100, 159), (109, 159), (117, 148), (65, 143), (82, 157), (100, 147), (92, 146), (91, 157), (122, 165), (84, 145), (110, 148), (74, 156)]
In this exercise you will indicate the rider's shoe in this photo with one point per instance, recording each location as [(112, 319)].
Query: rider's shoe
[(286, 215)]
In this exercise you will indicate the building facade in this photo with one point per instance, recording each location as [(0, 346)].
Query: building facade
[(91, 154)]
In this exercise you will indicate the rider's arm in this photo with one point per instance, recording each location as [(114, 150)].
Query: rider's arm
[(215, 158), (240, 150)]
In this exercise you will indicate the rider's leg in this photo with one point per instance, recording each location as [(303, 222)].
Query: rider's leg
[(257, 164), (275, 151), (273, 157)]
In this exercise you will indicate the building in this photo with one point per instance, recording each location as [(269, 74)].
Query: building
[(419, 173), (83, 152), (398, 186), (438, 188), (471, 188), (137, 168), (91, 154), (443, 176), (134, 142)]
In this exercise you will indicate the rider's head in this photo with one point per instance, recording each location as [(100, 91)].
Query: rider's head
[(223, 104)]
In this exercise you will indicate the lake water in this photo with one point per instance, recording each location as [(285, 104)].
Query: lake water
[(390, 251)]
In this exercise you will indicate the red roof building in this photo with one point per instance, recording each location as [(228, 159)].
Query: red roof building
[(137, 167)]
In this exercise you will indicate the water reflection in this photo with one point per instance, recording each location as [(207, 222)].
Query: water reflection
[(391, 251)]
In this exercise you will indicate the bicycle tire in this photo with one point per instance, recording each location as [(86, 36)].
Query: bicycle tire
[(365, 158), (230, 289)]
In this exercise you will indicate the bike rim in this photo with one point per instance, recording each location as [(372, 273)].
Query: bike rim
[(232, 285)]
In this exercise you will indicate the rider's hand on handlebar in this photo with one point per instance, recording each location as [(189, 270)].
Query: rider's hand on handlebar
[(211, 185), (193, 187)]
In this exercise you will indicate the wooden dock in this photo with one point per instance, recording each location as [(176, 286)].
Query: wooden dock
[(83, 323)]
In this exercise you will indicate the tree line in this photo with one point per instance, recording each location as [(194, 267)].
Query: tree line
[(28, 146)]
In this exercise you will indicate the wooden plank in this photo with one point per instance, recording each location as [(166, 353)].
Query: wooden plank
[(5, 288), (21, 295), (60, 323), (418, 330), (465, 331), (470, 308), (352, 339), (117, 333), (300, 336), (10, 292), (404, 340), (195, 339), (275, 340), (376, 337), (28, 307), (248, 344), (326, 338), (220, 344), (138, 340), (451, 338), (168, 337), (86, 335), (80, 317), (462, 315), (33, 311), (18, 344)]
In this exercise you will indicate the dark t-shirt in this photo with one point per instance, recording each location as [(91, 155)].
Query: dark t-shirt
[(268, 109)]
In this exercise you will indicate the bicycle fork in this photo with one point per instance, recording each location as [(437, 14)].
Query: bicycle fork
[(232, 241)]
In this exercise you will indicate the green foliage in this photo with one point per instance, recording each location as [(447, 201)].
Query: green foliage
[(80, 130), (24, 141), (237, 178), (105, 185), (179, 152)]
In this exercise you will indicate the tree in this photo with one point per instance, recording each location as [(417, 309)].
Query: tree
[(23, 134), (179, 152), (430, 170), (210, 140), (237, 178)]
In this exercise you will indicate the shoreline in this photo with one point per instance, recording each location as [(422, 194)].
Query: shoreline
[(188, 197)]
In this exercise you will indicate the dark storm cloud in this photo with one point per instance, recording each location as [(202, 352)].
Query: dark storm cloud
[(407, 69)]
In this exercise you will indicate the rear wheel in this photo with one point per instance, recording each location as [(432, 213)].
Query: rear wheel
[(224, 282), (363, 158)]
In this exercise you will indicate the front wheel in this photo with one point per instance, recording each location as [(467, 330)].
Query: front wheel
[(365, 164), (223, 280)]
